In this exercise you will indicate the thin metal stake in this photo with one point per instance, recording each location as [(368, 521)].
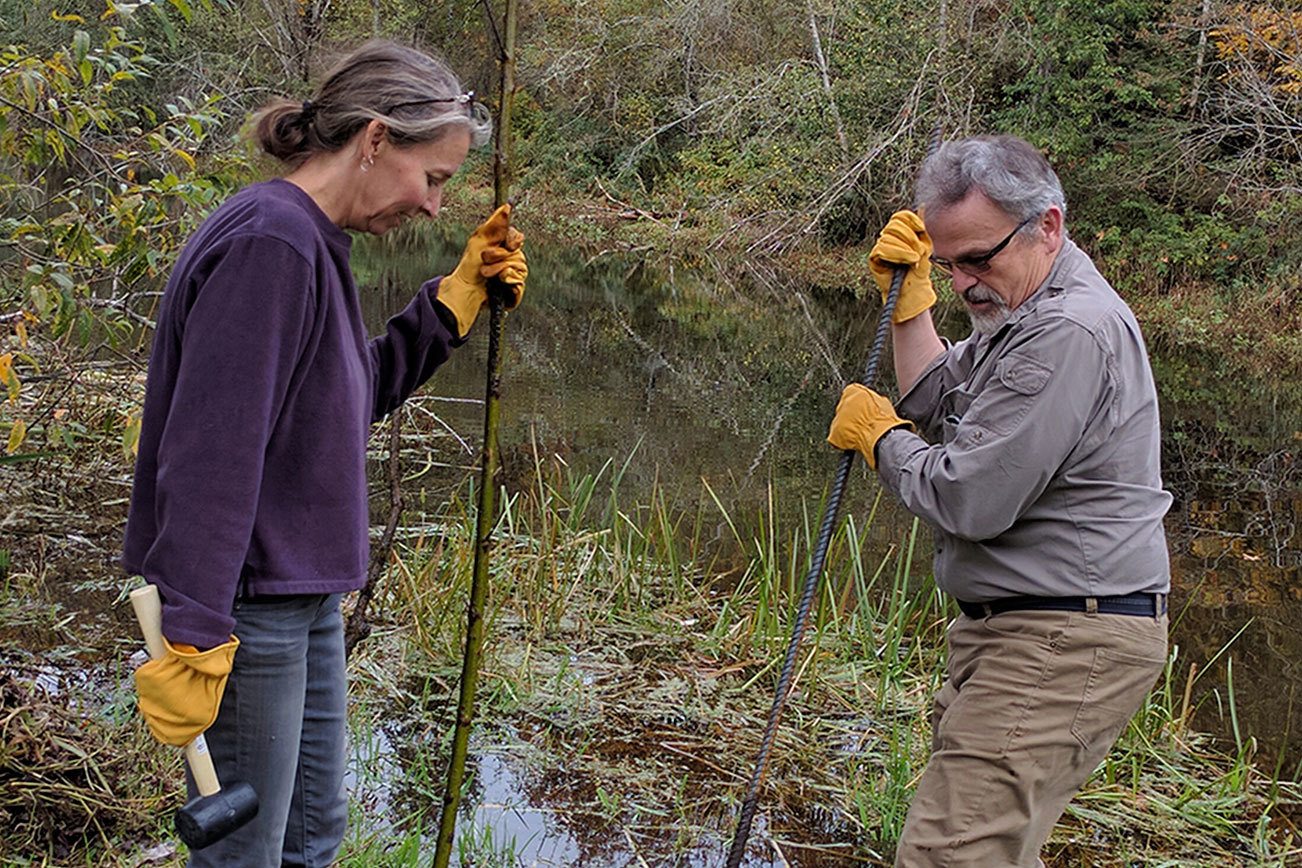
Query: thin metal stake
[(830, 515)]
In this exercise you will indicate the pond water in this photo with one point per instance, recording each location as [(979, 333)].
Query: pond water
[(732, 378)]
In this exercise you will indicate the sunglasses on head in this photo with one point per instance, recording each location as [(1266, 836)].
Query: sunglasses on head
[(979, 263), (467, 99)]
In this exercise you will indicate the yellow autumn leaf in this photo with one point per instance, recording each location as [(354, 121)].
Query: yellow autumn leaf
[(17, 435), (21, 328), (9, 379), (189, 160), (131, 437)]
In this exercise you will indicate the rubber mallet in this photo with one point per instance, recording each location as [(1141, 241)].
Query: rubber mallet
[(217, 812)]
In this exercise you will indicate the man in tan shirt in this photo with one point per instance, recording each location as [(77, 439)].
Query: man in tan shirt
[(1037, 466)]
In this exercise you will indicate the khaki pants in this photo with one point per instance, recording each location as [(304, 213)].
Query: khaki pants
[(1032, 704)]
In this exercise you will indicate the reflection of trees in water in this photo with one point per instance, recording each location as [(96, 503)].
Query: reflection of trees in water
[(1236, 557), (703, 378)]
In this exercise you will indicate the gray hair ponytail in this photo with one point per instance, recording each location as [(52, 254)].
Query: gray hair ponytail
[(1012, 173), (415, 95)]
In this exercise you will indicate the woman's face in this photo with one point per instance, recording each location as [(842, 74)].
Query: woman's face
[(399, 183)]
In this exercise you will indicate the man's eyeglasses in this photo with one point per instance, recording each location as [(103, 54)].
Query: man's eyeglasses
[(980, 263), (466, 99)]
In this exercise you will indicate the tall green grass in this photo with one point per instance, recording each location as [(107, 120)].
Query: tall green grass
[(609, 614)]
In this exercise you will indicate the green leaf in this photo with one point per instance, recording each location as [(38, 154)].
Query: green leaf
[(40, 301), (84, 325), (80, 45), (26, 456), (131, 437), (29, 92), (168, 30), (17, 434)]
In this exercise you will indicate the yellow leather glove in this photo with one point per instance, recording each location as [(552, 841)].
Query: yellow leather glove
[(180, 692), (862, 417), (904, 241), (494, 251)]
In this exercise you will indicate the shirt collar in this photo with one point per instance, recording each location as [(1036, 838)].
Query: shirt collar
[(1064, 264)]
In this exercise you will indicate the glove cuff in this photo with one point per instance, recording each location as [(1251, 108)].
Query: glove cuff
[(462, 299), (215, 662), (870, 454), (920, 298)]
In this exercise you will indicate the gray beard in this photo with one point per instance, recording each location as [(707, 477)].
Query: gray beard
[(988, 323)]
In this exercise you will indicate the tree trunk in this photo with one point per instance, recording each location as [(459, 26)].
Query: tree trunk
[(827, 86), (1195, 92)]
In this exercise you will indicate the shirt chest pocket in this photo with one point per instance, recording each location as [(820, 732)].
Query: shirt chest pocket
[(1010, 393)]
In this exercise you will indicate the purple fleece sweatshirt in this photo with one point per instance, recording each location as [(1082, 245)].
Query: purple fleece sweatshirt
[(251, 472)]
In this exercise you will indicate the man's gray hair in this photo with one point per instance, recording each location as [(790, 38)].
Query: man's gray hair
[(1009, 171)]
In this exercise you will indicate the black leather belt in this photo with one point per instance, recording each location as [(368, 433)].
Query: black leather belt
[(1145, 605)]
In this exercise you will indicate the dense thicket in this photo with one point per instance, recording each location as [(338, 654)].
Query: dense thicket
[(757, 128)]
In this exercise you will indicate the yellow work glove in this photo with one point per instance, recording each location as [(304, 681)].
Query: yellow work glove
[(180, 692), (494, 251), (862, 417), (904, 241)]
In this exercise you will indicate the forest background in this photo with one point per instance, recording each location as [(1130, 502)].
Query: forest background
[(692, 130), (706, 134)]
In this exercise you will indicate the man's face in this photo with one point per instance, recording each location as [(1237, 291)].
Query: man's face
[(967, 233)]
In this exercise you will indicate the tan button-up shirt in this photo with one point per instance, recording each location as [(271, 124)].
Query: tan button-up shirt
[(1043, 473)]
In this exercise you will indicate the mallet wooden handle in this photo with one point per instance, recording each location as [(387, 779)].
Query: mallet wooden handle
[(149, 612)]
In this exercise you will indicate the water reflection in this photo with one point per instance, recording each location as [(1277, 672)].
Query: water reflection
[(733, 379), (516, 813)]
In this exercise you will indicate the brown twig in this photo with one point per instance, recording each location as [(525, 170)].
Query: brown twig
[(358, 628)]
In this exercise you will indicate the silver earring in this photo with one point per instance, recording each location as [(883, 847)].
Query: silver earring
[(368, 162)]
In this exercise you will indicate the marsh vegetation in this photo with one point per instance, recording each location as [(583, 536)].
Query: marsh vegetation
[(697, 212)]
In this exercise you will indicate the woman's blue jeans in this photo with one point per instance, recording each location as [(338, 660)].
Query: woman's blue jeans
[(281, 729)]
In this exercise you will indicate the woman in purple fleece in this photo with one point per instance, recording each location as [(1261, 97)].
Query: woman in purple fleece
[(249, 509)]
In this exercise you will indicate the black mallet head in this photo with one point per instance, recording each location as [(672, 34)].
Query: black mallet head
[(208, 819)]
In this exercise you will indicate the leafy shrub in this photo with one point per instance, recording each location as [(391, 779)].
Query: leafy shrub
[(98, 191)]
